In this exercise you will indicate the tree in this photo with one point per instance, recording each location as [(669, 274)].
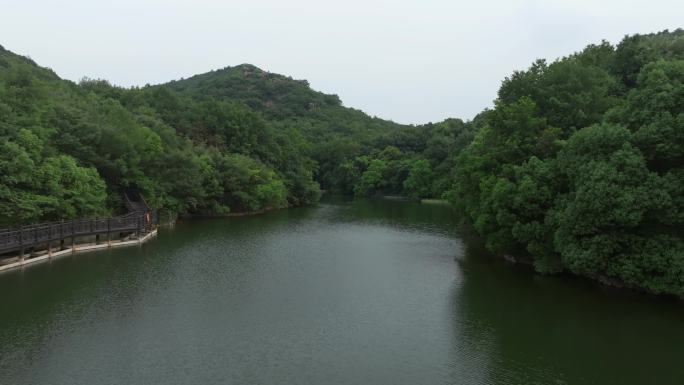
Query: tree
[(418, 184), (372, 179), (608, 225), (35, 188)]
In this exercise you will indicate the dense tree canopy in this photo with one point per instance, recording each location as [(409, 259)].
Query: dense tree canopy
[(579, 166), (70, 150)]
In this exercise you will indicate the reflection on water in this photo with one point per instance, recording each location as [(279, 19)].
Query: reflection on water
[(539, 330), (347, 292)]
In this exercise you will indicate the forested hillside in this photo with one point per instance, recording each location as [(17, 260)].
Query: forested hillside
[(70, 150), (578, 167), (335, 132)]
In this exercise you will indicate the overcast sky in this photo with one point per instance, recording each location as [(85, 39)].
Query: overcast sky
[(407, 60)]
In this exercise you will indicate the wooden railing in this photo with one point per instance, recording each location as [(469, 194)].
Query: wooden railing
[(21, 239)]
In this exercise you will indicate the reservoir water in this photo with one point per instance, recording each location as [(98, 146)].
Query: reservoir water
[(345, 292)]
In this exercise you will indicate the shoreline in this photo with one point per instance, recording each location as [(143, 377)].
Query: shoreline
[(233, 215), (598, 281)]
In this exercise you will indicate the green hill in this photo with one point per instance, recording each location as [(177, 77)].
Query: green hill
[(70, 150), (277, 97)]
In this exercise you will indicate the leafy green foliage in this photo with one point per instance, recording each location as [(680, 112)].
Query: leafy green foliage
[(372, 179), (248, 185), (418, 184), (71, 150), (607, 225), (36, 187), (579, 167)]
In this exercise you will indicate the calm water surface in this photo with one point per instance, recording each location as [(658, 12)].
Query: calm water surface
[(363, 292)]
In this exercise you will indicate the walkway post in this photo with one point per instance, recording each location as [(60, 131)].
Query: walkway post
[(97, 236), (73, 234), (61, 234), (21, 243)]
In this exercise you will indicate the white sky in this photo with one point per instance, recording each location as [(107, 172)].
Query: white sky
[(406, 60)]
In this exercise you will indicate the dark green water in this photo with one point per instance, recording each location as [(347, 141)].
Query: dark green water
[(366, 292)]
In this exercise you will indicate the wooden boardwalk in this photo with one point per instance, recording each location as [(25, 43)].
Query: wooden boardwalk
[(29, 244), (31, 237), (77, 248)]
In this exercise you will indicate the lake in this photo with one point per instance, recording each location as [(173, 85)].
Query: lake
[(345, 292)]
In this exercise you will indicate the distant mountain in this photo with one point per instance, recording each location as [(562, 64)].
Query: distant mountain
[(281, 98), (275, 96)]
